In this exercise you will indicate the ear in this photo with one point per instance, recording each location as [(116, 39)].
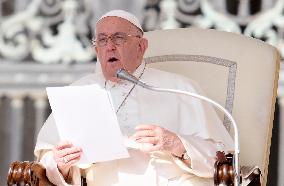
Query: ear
[(143, 45)]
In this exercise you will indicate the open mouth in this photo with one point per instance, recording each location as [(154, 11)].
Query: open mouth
[(112, 59)]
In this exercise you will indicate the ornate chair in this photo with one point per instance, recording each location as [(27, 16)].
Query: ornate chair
[(238, 72)]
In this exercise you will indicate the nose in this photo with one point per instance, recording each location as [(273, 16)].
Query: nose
[(110, 45)]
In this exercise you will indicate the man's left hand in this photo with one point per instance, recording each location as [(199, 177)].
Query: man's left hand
[(154, 138)]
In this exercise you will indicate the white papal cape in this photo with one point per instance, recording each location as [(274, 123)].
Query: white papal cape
[(195, 122)]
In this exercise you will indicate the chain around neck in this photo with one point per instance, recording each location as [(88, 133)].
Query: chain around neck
[(129, 92)]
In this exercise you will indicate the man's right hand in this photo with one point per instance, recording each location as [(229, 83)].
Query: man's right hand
[(66, 155)]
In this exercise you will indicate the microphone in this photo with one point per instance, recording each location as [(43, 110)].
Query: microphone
[(124, 75)]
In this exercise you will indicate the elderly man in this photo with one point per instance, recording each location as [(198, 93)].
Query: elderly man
[(177, 136)]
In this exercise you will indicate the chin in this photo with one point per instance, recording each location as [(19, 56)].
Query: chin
[(111, 76), (113, 79)]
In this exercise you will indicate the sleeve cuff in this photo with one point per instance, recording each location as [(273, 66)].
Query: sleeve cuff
[(55, 176), (202, 156)]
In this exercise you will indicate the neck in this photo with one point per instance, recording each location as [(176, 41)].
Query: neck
[(130, 71)]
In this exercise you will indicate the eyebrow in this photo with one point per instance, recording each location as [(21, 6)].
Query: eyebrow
[(102, 34)]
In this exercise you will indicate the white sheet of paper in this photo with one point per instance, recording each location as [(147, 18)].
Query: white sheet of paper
[(85, 116)]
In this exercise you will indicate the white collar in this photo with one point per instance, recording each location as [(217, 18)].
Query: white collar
[(137, 73)]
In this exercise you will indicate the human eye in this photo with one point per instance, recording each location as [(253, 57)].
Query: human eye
[(119, 38), (102, 39)]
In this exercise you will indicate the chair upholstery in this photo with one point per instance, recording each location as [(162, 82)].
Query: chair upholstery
[(239, 72)]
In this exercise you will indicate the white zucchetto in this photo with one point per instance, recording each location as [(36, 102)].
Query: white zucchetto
[(124, 15)]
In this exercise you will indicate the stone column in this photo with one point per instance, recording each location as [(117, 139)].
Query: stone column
[(243, 8), (16, 129), (1, 1), (40, 105)]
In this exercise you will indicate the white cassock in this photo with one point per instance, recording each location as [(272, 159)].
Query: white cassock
[(195, 122)]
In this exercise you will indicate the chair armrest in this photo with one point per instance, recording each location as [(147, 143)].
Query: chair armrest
[(27, 173), (224, 172)]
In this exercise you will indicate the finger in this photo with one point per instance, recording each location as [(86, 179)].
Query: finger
[(145, 127), (64, 167), (66, 162), (72, 162), (151, 140), (147, 147), (63, 145), (71, 157), (67, 151), (59, 160), (144, 133)]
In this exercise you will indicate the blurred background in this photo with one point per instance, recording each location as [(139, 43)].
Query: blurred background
[(47, 43)]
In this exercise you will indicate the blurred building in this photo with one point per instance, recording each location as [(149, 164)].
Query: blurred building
[(47, 43)]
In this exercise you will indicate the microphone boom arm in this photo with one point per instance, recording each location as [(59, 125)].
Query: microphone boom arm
[(122, 74)]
